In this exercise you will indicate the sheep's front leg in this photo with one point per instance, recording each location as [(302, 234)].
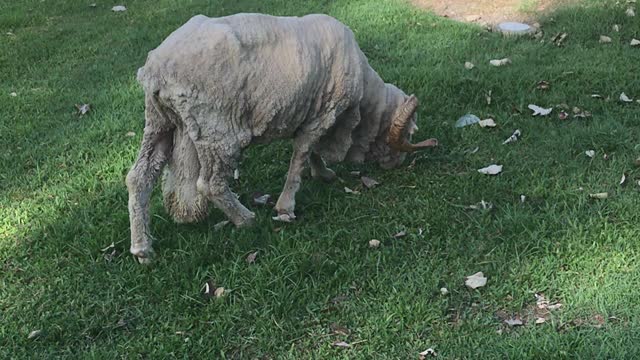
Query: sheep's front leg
[(319, 169), (287, 202), (154, 153)]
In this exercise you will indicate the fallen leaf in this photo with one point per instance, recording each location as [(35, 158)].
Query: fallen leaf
[(13, 94), (428, 352), (368, 182), (130, 134), (219, 292), (616, 27), (93, 5), (513, 138), (602, 195), (491, 170), (634, 42), (261, 199), (604, 39), (208, 288), (597, 96), (488, 97), (373, 243), (236, 174), (630, 12), (468, 65), (400, 234), (349, 191), (500, 62), (341, 344), (220, 225), (625, 98), (34, 334), (482, 205), (537, 110), (444, 291), (522, 199), (540, 320), (543, 85), (563, 115), (339, 330), (83, 109), (623, 180), (468, 119), (476, 280), (559, 38), (475, 150), (487, 123), (590, 153), (251, 258), (355, 173), (284, 218), (605, 157), (514, 322), (581, 113), (118, 8)]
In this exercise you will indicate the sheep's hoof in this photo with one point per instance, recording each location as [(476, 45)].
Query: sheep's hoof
[(285, 217), (326, 175), (143, 260), (144, 254)]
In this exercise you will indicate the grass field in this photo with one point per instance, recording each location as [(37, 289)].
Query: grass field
[(316, 282)]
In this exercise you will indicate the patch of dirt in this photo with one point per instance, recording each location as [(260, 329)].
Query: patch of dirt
[(491, 12)]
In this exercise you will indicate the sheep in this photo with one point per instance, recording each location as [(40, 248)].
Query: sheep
[(217, 85)]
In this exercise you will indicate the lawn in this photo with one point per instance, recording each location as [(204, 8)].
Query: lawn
[(317, 282)]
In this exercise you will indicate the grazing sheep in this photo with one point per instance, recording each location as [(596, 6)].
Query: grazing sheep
[(217, 85)]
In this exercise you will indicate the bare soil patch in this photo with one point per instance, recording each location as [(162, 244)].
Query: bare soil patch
[(490, 12)]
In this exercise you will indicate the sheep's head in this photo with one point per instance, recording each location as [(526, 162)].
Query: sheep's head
[(390, 150)]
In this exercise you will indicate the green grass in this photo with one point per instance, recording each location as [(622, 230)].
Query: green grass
[(63, 199)]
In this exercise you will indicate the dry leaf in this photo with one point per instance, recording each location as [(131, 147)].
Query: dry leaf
[(514, 322), (34, 334), (208, 289), (236, 174), (634, 42), (251, 258), (219, 292), (368, 182), (522, 199), (488, 97), (482, 205), (83, 109), (341, 344), (487, 123), (355, 173), (500, 62), (625, 98), (373, 243), (602, 195), (13, 94), (563, 115), (220, 225), (130, 134), (400, 234), (630, 12), (540, 320), (491, 170), (597, 96), (513, 138), (339, 330), (349, 191), (468, 119), (428, 352), (476, 280), (604, 39), (590, 153), (444, 291), (616, 28), (623, 180), (537, 110), (559, 38), (468, 65), (543, 85), (118, 8), (261, 199)]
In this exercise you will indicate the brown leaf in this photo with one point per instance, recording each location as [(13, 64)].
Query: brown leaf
[(514, 322), (543, 85), (559, 38), (368, 182), (339, 330), (341, 344), (373, 243), (400, 234), (251, 258), (83, 108)]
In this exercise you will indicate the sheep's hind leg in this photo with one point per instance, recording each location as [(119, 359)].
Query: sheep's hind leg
[(154, 153), (319, 169)]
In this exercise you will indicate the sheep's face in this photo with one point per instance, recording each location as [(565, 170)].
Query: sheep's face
[(384, 154)]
